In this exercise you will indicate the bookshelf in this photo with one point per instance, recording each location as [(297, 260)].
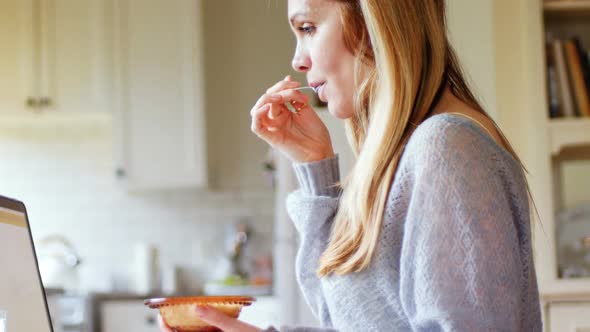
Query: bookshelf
[(567, 7), (567, 135)]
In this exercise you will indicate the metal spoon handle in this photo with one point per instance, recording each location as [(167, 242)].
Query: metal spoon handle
[(306, 87)]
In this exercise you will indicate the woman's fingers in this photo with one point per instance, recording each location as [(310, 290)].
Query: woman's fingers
[(223, 321), (287, 83), (162, 325), (264, 125), (281, 97), (257, 121)]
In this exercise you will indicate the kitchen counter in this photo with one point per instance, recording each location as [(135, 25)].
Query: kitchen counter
[(82, 311)]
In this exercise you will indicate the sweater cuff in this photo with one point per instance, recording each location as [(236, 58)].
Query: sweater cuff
[(319, 178)]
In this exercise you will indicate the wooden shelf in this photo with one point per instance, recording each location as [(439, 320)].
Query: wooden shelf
[(562, 290), (566, 6), (567, 134), (567, 9)]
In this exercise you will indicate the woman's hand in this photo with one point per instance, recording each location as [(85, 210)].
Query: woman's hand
[(215, 318), (301, 136)]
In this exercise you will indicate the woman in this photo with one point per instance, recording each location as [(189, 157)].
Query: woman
[(431, 230)]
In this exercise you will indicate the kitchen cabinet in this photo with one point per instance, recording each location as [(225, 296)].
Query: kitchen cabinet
[(158, 94), (264, 312), (14, 69), (125, 316), (569, 317), (54, 56)]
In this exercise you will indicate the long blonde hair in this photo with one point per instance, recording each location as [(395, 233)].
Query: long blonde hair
[(410, 62)]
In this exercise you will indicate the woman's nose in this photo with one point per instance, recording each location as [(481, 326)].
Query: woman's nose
[(301, 62)]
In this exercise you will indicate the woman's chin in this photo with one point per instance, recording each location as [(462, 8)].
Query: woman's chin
[(339, 112)]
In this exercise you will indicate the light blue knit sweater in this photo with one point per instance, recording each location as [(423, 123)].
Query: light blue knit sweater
[(455, 247)]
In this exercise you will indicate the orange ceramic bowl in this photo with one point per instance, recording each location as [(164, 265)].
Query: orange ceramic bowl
[(179, 312)]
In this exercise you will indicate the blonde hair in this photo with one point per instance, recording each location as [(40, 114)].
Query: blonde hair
[(407, 61)]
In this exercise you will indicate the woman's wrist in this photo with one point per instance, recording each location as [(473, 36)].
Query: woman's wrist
[(319, 178), (329, 154)]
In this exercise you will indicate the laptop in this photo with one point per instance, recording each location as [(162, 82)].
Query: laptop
[(22, 297)]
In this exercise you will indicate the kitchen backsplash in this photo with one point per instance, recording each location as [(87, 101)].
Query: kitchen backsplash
[(66, 178)]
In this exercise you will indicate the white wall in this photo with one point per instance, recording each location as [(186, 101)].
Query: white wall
[(471, 30)]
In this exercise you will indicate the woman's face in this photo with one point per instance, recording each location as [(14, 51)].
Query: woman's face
[(321, 53)]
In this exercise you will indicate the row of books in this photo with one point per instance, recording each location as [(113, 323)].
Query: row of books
[(568, 78)]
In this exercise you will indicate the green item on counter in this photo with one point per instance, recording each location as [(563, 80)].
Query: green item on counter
[(233, 280)]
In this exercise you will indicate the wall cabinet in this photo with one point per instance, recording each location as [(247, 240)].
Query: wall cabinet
[(139, 61), (158, 93), (54, 56)]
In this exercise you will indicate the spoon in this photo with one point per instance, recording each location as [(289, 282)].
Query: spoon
[(292, 108), (315, 90)]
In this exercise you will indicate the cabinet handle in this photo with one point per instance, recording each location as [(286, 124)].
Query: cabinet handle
[(45, 102), (32, 102), (150, 320), (120, 173)]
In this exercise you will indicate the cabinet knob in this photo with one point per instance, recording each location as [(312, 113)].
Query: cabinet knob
[(120, 173), (45, 101), (32, 102), (150, 320)]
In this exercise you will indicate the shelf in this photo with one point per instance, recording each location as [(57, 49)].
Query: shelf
[(568, 134), (567, 9), (566, 6), (565, 289)]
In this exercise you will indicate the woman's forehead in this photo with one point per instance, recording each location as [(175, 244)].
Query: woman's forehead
[(307, 7)]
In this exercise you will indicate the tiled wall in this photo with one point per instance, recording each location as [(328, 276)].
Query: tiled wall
[(66, 178)]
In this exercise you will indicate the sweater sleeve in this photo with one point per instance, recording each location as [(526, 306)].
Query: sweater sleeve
[(298, 329), (461, 266), (312, 208)]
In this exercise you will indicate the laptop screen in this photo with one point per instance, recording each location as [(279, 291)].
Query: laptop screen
[(21, 293)]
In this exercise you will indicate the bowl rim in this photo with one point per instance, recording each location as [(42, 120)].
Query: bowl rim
[(166, 301)]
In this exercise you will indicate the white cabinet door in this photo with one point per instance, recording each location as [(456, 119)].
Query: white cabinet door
[(126, 316), (264, 312), (53, 55), (73, 55), (160, 138), (569, 317), (16, 56)]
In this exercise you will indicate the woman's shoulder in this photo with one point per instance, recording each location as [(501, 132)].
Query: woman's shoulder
[(446, 135)]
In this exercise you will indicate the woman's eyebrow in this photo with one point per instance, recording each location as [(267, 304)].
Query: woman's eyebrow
[(302, 13)]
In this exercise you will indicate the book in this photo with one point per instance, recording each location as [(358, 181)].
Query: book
[(577, 78), (585, 64), (563, 82), (552, 85)]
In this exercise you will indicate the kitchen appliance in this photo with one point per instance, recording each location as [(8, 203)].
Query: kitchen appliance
[(232, 275), (58, 263)]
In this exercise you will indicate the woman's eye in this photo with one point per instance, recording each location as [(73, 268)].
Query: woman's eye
[(307, 29)]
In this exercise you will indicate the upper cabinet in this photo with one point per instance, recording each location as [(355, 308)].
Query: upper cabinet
[(158, 93), (14, 70), (137, 62), (74, 57), (54, 56)]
